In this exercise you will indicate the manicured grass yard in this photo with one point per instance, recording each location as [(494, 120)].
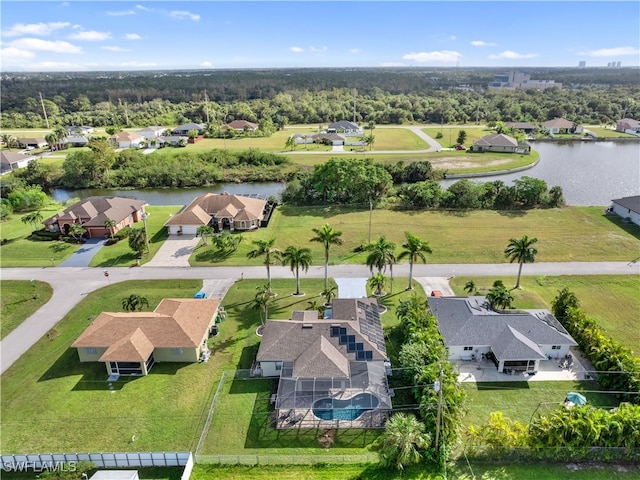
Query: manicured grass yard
[(450, 133), (53, 403), (396, 139), (596, 293), (120, 255), (609, 133), (567, 234), (19, 300), (459, 471), (22, 252)]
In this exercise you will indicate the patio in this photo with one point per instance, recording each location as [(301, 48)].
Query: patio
[(486, 371)]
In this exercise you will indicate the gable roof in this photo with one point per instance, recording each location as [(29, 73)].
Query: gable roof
[(126, 137), (132, 336), (9, 158), (558, 123), (496, 140), (95, 210), (631, 203), (185, 127), (240, 124), (465, 321), (345, 124), (629, 122), (218, 206)]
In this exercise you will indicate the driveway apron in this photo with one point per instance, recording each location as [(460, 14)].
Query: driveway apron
[(84, 254), (352, 287)]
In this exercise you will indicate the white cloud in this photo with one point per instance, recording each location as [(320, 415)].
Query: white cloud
[(438, 56), (34, 28), (121, 13), (354, 50), (480, 43), (115, 49), (510, 54), (393, 64), (46, 45), (612, 52), (206, 65), (296, 49), (318, 50), (143, 8), (132, 36), (11, 53), (183, 14), (90, 36)]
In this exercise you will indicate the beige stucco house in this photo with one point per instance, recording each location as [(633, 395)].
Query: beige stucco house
[(130, 343), (499, 142)]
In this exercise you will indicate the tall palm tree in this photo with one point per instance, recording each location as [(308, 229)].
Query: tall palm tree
[(297, 258), (403, 439), (111, 225), (327, 236), (261, 301), (61, 134), (7, 140), (414, 248), (137, 241), (271, 254), (521, 251), (52, 140), (381, 254)]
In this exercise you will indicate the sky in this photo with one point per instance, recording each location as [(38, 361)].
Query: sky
[(95, 35)]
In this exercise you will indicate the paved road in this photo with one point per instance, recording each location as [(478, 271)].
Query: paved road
[(71, 284)]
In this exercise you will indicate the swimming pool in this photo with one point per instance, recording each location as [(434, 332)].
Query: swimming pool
[(349, 409)]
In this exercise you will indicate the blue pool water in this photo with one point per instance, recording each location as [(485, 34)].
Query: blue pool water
[(350, 409)]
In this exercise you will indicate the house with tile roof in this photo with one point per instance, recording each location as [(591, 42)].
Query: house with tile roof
[(331, 372), (130, 343), (499, 142), (562, 125), (627, 208), (628, 125), (221, 211), (32, 142), (515, 340), (526, 127), (185, 128), (127, 140), (93, 212)]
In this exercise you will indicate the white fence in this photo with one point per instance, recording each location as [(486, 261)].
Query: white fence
[(102, 460)]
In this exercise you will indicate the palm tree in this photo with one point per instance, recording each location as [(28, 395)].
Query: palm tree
[(404, 436), (261, 301), (7, 140), (522, 251), (470, 287), (61, 134), (378, 282), (204, 231), (271, 254), (297, 258), (381, 254), (33, 218), (111, 225), (414, 248), (76, 230), (499, 297), (329, 294), (52, 140), (327, 236), (134, 302), (290, 143), (137, 241)]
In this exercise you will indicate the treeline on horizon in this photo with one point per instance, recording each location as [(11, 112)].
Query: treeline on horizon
[(313, 96)]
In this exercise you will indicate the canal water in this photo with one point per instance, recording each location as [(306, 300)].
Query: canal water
[(590, 173)]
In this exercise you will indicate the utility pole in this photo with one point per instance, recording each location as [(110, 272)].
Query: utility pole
[(370, 217), (438, 388), (206, 106), (355, 92), (44, 110)]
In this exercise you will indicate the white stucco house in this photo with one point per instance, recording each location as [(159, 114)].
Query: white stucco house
[(628, 208)]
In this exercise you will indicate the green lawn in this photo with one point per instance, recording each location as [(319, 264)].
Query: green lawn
[(519, 400), (596, 293), (396, 139), (120, 255), (22, 252), (609, 133), (567, 234), (450, 133), (19, 299), (53, 403), (461, 470)]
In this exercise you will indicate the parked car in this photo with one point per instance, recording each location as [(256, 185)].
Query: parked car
[(200, 294), (436, 293), (460, 147)]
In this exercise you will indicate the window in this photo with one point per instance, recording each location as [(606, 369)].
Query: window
[(468, 349), (555, 347), (176, 351), (278, 367), (90, 350)]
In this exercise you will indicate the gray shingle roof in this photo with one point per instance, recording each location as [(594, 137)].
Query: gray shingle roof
[(470, 321), (632, 203), (496, 140)]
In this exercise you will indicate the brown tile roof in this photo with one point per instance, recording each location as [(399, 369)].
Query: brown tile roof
[(221, 205), (240, 124), (95, 210), (175, 323), (558, 123), (126, 136), (193, 216)]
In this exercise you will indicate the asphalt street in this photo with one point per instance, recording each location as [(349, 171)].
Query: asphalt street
[(71, 284)]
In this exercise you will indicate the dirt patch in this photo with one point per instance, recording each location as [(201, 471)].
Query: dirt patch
[(465, 162)]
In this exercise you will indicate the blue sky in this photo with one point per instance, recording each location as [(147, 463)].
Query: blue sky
[(130, 35)]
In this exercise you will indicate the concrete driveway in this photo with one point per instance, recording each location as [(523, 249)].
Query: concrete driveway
[(84, 254), (174, 252), (351, 287), (435, 283)]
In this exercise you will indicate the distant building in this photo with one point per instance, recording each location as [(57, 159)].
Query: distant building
[(628, 125), (12, 161), (582, 64), (521, 81), (628, 208)]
